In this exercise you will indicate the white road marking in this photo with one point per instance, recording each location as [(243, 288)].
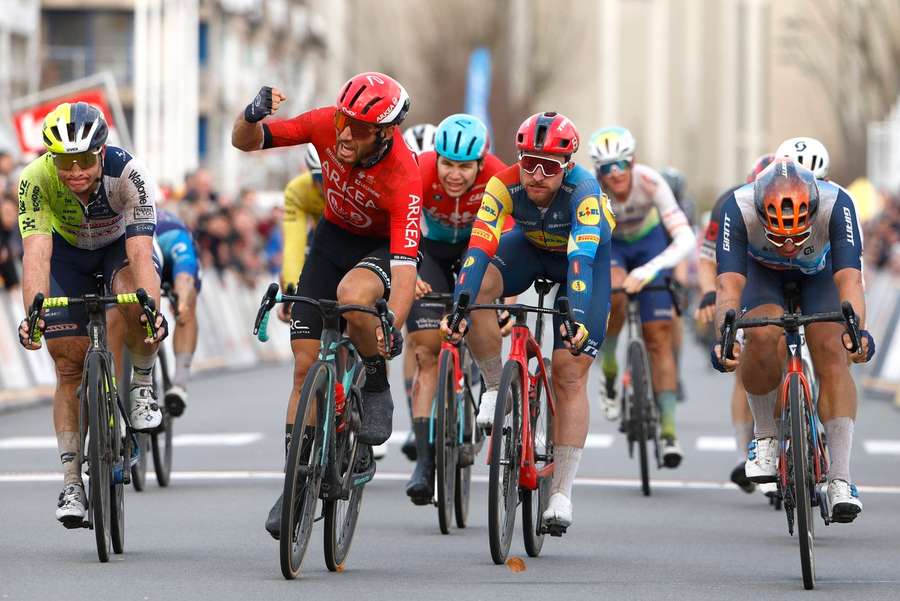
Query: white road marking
[(882, 447), (222, 439), (232, 475), (716, 443), (594, 441)]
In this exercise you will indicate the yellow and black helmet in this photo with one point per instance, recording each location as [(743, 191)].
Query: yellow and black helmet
[(77, 127)]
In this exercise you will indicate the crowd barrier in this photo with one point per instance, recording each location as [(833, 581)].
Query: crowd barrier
[(882, 376), (226, 309)]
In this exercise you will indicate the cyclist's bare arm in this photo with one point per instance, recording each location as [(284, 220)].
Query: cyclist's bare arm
[(249, 136), (403, 289), (36, 267)]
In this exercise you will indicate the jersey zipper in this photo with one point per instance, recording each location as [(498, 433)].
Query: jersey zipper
[(456, 229)]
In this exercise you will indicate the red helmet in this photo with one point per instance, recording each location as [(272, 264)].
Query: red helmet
[(547, 132), (758, 165), (374, 98), (786, 198)]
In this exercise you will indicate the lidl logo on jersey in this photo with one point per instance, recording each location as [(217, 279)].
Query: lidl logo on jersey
[(489, 209), (579, 285), (589, 211)]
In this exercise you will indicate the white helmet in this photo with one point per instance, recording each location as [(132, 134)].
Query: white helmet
[(611, 144), (312, 160), (809, 152), (420, 138)]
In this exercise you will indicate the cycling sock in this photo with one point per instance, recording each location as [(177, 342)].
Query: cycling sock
[(376, 374), (422, 429), (743, 434), (840, 440), (668, 400), (67, 443), (142, 369), (565, 466), (762, 406), (183, 368), (408, 388), (608, 363), (491, 369)]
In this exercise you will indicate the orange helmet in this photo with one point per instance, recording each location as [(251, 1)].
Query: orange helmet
[(786, 198)]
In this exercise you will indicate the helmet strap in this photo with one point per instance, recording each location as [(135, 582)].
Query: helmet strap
[(382, 147)]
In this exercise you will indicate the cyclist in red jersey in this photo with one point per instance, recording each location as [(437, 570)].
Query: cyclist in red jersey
[(366, 246), (454, 176)]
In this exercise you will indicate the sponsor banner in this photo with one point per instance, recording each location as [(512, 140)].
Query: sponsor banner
[(28, 121)]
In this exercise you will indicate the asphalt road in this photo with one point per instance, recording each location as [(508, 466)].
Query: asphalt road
[(696, 537)]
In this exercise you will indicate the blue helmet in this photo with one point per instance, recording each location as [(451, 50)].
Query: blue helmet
[(462, 137)]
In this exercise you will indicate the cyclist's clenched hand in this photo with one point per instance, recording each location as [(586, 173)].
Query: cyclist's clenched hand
[(25, 335), (578, 338), (394, 346), (162, 328), (866, 346), (422, 288), (454, 337), (266, 102), (730, 364), (284, 312)]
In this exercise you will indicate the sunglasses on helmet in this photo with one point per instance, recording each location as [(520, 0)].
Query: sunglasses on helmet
[(779, 241), (85, 160), (550, 167), (358, 129), (621, 165)]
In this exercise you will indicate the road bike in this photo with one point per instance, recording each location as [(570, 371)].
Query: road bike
[(802, 457), (106, 432), (640, 420), (325, 461), (520, 454), (455, 438)]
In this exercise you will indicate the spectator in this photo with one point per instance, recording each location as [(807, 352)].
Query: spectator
[(10, 243)]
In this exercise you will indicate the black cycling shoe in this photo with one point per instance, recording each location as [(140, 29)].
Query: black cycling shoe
[(175, 400), (739, 477), (273, 522), (409, 446), (377, 417)]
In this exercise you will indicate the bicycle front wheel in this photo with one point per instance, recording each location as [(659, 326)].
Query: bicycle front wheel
[(503, 479), (534, 502), (303, 471), (641, 412), (99, 454), (342, 514), (161, 440), (801, 480), (446, 440)]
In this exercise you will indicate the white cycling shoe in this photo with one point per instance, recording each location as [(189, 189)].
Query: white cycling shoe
[(72, 506), (379, 452), (145, 414), (559, 511), (486, 409), (762, 460), (843, 501), (612, 408)]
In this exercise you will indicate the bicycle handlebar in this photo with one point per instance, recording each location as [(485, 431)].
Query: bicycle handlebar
[(325, 306), (138, 297), (731, 325), (669, 287)]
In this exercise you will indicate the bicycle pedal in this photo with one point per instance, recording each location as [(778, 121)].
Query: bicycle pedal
[(556, 530)]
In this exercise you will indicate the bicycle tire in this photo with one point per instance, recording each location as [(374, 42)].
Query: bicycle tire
[(534, 502), (473, 436), (445, 442), (503, 478), (100, 479), (301, 487), (640, 407), (800, 476), (121, 463), (341, 515), (161, 440)]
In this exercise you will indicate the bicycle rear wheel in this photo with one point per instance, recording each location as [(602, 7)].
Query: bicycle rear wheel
[(534, 502), (341, 515), (161, 440), (446, 440), (801, 481), (99, 455), (640, 408), (303, 471), (503, 479), (138, 470)]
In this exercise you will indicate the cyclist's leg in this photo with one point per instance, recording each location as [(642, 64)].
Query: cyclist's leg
[(185, 273), (838, 400), (762, 359), (742, 422), (609, 363)]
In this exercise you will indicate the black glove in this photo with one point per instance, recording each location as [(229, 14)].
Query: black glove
[(261, 107), (161, 323), (708, 299), (396, 342)]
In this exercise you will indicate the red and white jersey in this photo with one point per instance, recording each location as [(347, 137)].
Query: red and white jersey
[(381, 201)]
